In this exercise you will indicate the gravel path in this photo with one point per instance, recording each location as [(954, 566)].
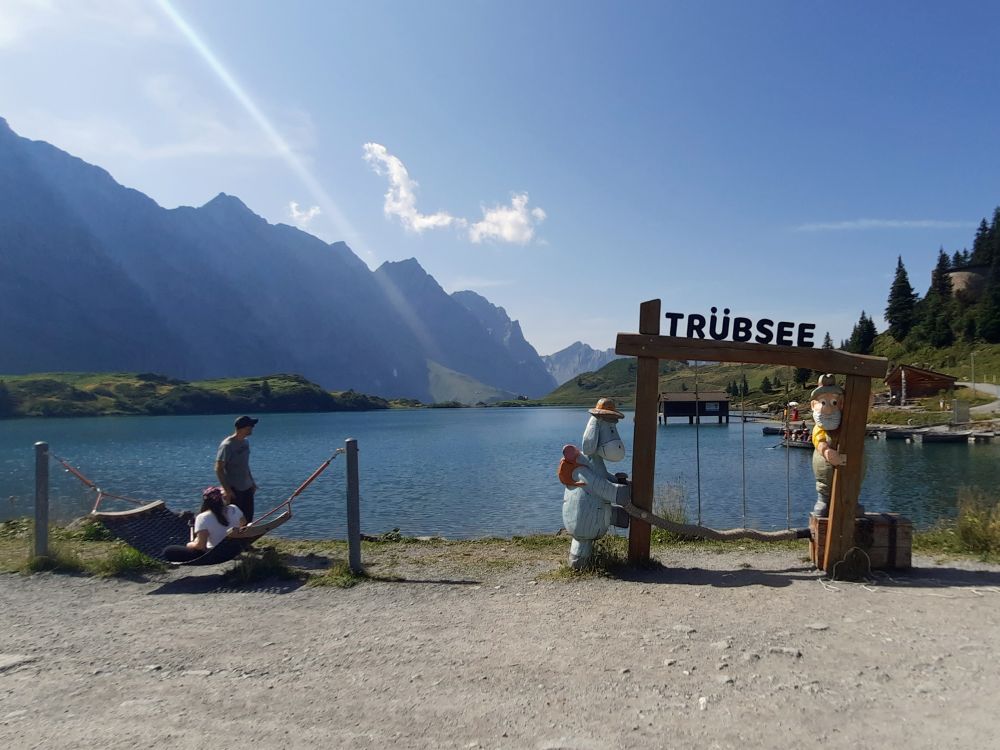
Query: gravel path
[(730, 650)]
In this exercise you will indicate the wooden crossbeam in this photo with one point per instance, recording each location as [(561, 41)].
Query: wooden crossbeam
[(820, 360)]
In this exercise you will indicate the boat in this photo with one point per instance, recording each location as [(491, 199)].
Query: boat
[(797, 444), (942, 437)]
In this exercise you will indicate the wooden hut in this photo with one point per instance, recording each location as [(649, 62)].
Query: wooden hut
[(695, 405), (909, 382)]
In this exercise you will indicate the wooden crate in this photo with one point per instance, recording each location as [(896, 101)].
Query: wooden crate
[(887, 539)]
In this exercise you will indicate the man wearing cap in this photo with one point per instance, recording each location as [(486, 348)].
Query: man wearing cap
[(232, 467)]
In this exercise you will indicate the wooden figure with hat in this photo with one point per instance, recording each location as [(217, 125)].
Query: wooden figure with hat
[(827, 403), (593, 498)]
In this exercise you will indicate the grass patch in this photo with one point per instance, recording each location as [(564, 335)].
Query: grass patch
[(607, 561), (59, 560), (978, 523), (339, 575), (261, 565), (124, 561)]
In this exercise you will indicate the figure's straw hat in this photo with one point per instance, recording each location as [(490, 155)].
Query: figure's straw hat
[(606, 408), (826, 384)]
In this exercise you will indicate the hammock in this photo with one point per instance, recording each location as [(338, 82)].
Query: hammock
[(153, 526)]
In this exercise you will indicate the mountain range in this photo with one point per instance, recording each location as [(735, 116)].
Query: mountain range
[(95, 276), (575, 359)]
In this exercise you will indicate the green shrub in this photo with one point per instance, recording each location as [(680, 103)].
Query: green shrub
[(978, 523), (339, 575), (59, 560), (260, 565), (124, 560)]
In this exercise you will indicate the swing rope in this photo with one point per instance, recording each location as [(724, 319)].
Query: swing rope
[(743, 444), (697, 437)]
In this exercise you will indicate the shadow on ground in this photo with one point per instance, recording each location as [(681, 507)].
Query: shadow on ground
[(936, 577)]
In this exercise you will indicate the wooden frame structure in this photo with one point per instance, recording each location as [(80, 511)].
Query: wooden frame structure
[(650, 347)]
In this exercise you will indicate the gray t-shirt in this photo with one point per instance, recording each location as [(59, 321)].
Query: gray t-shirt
[(235, 457)]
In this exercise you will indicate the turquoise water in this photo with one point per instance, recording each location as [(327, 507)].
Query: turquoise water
[(465, 473)]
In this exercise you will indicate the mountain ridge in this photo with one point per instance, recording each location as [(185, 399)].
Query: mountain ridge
[(96, 276)]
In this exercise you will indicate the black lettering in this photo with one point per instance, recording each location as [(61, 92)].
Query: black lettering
[(764, 332), (673, 318), (785, 333), (742, 329), (805, 337), (696, 324), (717, 334)]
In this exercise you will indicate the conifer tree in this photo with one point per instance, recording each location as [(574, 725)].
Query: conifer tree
[(765, 385), (862, 336), (900, 311), (744, 389), (827, 341), (802, 375), (981, 245), (940, 280)]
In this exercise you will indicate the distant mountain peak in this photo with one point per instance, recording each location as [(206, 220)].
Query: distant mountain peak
[(575, 359), (224, 201)]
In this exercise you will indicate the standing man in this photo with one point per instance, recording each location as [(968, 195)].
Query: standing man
[(232, 467)]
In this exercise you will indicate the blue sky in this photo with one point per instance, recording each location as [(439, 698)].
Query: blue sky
[(567, 160)]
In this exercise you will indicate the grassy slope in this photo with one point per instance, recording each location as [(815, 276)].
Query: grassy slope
[(98, 394), (448, 385), (617, 379)]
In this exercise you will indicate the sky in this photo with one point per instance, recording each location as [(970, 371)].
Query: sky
[(567, 160)]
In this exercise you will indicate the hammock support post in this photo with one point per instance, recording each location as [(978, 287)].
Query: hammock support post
[(40, 545), (353, 507)]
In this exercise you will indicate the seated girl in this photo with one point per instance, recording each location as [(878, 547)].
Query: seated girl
[(211, 526)]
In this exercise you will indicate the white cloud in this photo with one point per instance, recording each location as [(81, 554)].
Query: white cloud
[(862, 224), (514, 223), (302, 218), (401, 197)]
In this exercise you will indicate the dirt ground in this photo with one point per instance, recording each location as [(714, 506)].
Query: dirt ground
[(732, 650)]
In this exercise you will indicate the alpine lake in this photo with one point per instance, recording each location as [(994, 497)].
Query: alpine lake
[(466, 473)]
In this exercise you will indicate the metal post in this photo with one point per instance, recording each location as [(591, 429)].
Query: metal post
[(973, 356), (41, 545), (353, 507)]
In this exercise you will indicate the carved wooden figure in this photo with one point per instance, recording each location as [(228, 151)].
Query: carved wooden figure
[(593, 497)]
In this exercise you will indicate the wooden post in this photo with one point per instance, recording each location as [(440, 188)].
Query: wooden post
[(647, 388), (847, 479), (353, 507), (40, 548)]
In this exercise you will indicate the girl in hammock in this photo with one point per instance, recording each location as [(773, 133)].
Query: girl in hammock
[(211, 525)]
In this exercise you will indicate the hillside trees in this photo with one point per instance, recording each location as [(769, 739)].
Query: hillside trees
[(946, 314)]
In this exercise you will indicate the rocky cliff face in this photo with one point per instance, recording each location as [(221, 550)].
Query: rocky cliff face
[(95, 276), (578, 357)]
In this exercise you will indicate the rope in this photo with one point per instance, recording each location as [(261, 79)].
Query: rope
[(697, 437), (743, 444), (92, 486), (288, 503), (101, 494), (690, 531)]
